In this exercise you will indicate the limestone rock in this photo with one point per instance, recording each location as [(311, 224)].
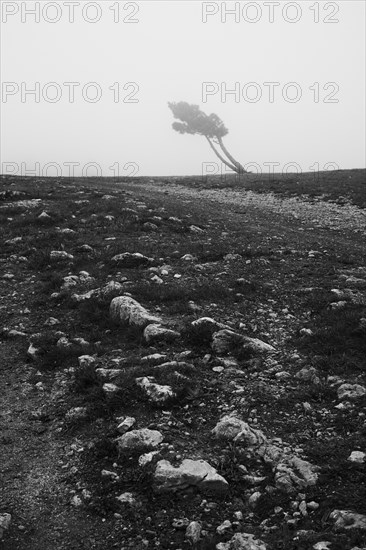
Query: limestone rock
[(78, 298), (147, 458), (242, 541), (207, 326), (76, 413), (193, 532), (128, 499), (60, 256), (5, 520), (233, 429), (32, 352), (346, 519), (308, 374), (153, 359), (351, 391), (125, 424), (110, 389), (110, 290), (155, 392), (158, 333), (228, 427), (140, 440), (108, 374), (225, 526), (358, 457), (125, 309), (86, 360), (225, 341), (196, 473), (131, 260), (70, 281), (293, 474)]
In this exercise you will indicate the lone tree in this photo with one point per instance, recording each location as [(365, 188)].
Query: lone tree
[(196, 122)]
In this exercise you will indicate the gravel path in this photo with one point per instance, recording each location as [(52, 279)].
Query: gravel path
[(319, 213)]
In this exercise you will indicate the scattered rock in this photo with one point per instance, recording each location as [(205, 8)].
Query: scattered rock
[(147, 458), (196, 229), (293, 474), (157, 333), (155, 392), (140, 440), (357, 456), (44, 216), (253, 499), (110, 290), (130, 260), (86, 360), (308, 374), (153, 359), (110, 389), (129, 499), (51, 322), (225, 341), (126, 310), (5, 520), (76, 413), (224, 527), (242, 541), (346, 519), (229, 427), (196, 473), (233, 429), (351, 391), (108, 374), (32, 352), (125, 424), (60, 256), (193, 532), (148, 226)]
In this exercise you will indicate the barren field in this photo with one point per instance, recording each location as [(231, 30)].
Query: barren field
[(183, 363)]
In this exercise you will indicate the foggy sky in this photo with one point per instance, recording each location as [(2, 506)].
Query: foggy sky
[(168, 55)]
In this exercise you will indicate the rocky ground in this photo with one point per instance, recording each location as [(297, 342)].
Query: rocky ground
[(182, 366)]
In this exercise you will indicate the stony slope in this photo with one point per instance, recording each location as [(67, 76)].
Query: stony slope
[(180, 369)]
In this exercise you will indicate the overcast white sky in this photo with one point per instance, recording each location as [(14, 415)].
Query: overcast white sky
[(169, 53)]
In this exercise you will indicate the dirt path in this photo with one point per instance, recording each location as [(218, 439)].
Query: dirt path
[(338, 225)]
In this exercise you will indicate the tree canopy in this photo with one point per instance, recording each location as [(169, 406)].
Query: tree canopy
[(195, 122)]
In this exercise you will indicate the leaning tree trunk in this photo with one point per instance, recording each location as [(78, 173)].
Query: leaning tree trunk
[(231, 166), (238, 167)]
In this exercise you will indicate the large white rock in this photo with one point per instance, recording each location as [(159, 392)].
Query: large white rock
[(196, 473), (140, 440), (126, 310)]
